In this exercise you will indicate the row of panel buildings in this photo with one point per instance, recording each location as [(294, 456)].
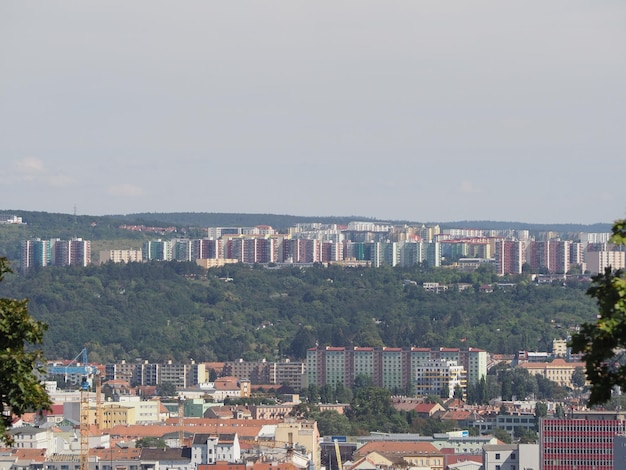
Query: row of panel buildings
[(358, 243), (420, 371)]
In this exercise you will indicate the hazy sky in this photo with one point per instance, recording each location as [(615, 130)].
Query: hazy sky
[(415, 110)]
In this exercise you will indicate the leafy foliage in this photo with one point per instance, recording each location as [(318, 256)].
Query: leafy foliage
[(603, 342), (170, 310), (166, 389), (157, 442), (21, 390)]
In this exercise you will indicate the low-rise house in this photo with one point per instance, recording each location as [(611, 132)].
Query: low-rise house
[(165, 459), (404, 454), (427, 410), (17, 459), (30, 437), (228, 412), (465, 465), (460, 441), (511, 457), (454, 461), (211, 448), (259, 465), (373, 461), (219, 390), (271, 412), (55, 415)]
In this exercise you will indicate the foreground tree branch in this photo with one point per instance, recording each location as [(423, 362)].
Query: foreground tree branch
[(603, 343), (21, 389)]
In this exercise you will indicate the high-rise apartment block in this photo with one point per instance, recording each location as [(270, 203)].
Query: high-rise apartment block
[(36, 253), (160, 250), (144, 373), (509, 257), (55, 252), (598, 260), (552, 256), (392, 368)]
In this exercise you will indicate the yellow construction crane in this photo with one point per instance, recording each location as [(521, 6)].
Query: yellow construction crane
[(85, 425), (99, 405), (338, 454)]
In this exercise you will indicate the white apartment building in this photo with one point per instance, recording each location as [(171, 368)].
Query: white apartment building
[(433, 376), (598, 261), (211, 448), (121, 256)]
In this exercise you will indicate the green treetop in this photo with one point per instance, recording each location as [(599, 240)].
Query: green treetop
[(603, 343), (21, 390)]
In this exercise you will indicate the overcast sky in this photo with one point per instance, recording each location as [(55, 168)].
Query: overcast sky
[(412, 110)]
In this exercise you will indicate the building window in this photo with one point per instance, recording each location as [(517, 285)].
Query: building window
[(497, 456), (513, 458)]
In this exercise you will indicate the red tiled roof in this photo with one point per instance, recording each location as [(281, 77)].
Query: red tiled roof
[(457, 458), (38, 455), (425, 407), (54, 410), (456, 415), (243, 427)]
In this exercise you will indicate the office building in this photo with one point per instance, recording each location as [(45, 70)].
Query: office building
[(583, 440)]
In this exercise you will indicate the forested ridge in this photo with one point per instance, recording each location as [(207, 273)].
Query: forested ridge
[(171, 310)]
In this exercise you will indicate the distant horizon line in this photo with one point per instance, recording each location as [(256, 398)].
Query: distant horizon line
[(322, 217)]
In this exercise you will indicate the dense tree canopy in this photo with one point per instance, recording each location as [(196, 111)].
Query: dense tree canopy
[(171, 310)]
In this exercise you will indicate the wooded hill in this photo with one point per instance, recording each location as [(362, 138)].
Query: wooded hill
[(171, 310)]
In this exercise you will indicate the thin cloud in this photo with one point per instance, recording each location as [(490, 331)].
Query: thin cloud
[(60, 181), (34, 170), (467, 187), (28, 169), (29, 166), (127, 189)]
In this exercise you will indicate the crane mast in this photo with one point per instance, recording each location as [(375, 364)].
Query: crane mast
[(338, 454), (84, 425), (89, 371)]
